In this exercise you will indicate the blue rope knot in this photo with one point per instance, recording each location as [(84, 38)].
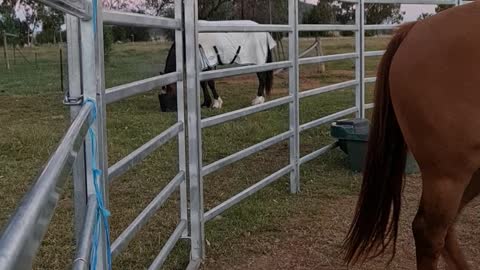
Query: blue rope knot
[(94, 112), (102, 212)]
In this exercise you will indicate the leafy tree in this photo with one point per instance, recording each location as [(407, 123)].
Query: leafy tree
[(158, 7), (11, 24), (322, 13), (423, 16), (52, 21), (374, 14), (261, 11), (107, 42), (215, 9), (382, 13), (441, 8), (134, 6)]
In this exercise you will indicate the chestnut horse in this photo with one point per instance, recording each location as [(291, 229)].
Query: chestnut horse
[(427, 100)]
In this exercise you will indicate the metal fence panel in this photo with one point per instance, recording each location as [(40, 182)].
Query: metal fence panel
[(25, 230)]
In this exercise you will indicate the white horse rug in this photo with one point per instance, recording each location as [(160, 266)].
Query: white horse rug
[(240, 48)]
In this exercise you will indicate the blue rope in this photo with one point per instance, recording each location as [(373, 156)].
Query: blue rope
[(102, 212), (94, 16)]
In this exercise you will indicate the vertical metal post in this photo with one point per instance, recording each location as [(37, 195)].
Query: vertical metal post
[(94, 88), (101, 120), (182, 160), (293, 86), (61, 70), (75, 90), (360, 62), (14, 47), (101, 105), (7, 62), (194, 131)]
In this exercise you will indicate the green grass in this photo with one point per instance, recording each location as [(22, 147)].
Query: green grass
[(33, 120)]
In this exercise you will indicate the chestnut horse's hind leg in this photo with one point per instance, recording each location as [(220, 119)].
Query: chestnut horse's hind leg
[(452, 253), (439, 205)]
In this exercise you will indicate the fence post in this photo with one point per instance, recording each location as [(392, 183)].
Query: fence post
[(62, 88), (360, 62), (194, 132), (91, 32), (14, 47), (182, 160), (293, 86), (7, 62), (319, 49), (75, 91), (102, 119)]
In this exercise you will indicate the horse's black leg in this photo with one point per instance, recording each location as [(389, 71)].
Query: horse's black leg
[(217, 100), (261, 84), (207, 100), (262, 80), (211, 84)]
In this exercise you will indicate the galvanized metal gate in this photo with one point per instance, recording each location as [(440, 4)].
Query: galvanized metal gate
[(84, 149)]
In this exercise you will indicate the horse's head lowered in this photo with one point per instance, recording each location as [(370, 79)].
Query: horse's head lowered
[(168, 97)]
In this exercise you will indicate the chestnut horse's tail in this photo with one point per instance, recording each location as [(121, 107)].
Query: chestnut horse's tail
[(375, 224)]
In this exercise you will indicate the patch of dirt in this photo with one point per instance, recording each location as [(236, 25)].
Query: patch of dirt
[(312, 238)]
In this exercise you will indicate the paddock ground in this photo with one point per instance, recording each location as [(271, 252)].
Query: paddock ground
[(271, 230)]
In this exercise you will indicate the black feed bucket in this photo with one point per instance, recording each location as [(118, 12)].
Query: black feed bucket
[(168, 103)]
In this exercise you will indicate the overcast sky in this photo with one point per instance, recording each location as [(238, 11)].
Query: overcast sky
[(412, 11)]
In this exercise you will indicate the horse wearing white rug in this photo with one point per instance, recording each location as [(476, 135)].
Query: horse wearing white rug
[(227, 49)]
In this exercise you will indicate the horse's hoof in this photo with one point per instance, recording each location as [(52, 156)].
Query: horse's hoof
[(258, 100), (217, 103), (206, 104)]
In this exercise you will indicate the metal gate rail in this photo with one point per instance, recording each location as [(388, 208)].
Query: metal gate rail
[(22, 237)]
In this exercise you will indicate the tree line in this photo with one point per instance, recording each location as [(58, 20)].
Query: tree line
[(38, 16)]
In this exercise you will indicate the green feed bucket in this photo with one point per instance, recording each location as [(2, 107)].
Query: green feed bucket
[(352, 136)]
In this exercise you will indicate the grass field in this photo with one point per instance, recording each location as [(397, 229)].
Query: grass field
[(253, 235)]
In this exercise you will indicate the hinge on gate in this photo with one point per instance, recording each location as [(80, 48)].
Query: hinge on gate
[(72, 101)]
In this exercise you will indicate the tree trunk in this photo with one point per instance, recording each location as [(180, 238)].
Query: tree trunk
[(242, 11), (7, 63), (270, 11), (28, 37), (254, 8)]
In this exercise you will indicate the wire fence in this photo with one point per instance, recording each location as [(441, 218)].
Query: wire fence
[(43, 69), (33, 70)]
